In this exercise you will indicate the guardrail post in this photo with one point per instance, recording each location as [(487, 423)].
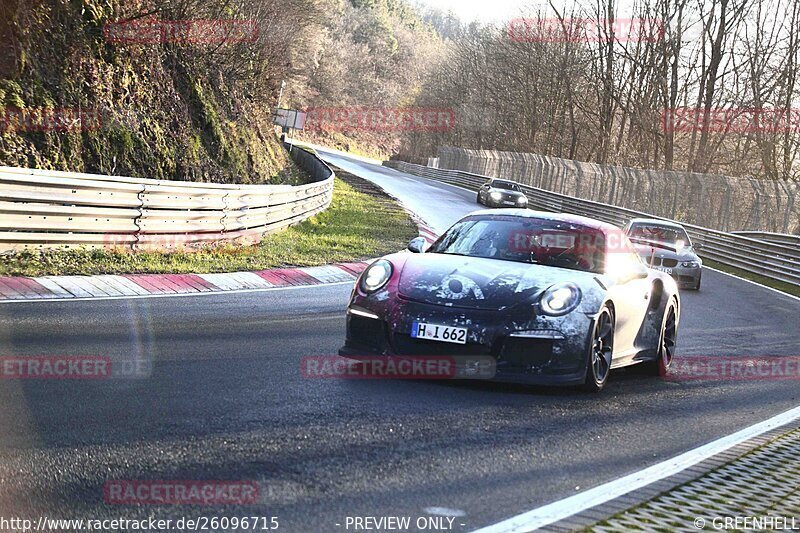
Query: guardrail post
[(138, 220), (225, 211)]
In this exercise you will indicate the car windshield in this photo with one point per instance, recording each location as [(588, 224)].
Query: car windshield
[(526, 240), (657, 233), (507, 185)]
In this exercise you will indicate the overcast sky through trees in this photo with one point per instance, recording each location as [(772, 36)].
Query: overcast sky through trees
[(498, 10)]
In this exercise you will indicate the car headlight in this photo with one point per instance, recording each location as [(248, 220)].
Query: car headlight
[(522, 200), (376, 276), (691, 264), (560, 299), (496, 195)]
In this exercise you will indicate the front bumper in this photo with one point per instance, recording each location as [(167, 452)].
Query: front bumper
[(686, 278), (553, 351), (508, 203)]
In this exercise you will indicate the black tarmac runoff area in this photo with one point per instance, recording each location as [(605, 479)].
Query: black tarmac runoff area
[(219, 396)]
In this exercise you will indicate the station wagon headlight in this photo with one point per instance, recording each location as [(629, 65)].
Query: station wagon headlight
[(691, 264), (560, 299), (496, 196), (376, 276), (522, 200)]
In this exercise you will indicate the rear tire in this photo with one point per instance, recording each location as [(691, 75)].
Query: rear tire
[(601, 350), (667, 342)]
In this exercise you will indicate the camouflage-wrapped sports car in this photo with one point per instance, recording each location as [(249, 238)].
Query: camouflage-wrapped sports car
[(552, 298)]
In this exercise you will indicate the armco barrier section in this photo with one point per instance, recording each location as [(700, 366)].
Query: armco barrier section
[(777, 261), (724, 203), (777, 238), (42, 209)]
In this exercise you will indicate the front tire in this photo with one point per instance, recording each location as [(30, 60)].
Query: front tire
[(479, 199), (601, 350), (699, 281)]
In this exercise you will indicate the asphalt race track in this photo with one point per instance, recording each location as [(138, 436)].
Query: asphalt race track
[(226, 401)]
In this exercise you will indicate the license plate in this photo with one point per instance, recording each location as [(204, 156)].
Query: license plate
[(664, 270), (510, 203), (433, 332)]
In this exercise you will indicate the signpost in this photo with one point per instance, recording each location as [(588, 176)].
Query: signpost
[(290, 119)]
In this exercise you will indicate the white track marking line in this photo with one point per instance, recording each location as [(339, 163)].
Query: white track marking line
[(73, 288), (181, 295), (334, 152), (132, 287), (551, 513), (116, 283), (327, 274), (53, 287), (225, 282), (754, 283), (251, 281), (82, 283), (100, 283)]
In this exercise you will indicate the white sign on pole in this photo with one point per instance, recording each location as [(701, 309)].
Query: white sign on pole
[(291, 118)]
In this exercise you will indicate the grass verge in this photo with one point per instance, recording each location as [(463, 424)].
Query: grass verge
[(788, 288), (361, 223)]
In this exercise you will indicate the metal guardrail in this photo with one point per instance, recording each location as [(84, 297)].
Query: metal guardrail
[(41, 209), (775, 238), (776, 260)]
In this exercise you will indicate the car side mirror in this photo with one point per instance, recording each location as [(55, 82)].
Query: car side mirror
[(417, 245), (697, 246)]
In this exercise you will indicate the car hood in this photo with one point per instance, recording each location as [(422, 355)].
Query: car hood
[(646, 251), (507, 193), (477, 283)]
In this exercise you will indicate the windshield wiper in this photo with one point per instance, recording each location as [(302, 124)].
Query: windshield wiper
[(657, 244), (455, 253)]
